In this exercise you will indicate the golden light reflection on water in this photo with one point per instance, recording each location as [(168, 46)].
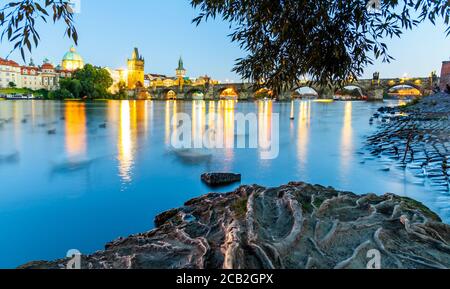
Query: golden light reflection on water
[(132, 118), (75, 129), (265, 109), (198, 116), (126, 139), (304, 122), (167, 122), (228, 115), (347, 138)]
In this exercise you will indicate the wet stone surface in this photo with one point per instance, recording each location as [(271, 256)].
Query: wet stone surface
[(416, 138)]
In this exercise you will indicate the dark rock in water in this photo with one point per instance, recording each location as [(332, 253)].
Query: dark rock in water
[(295, 226), (164, 217), (103, 125), (220, 179), (9, 158), (51, 131)]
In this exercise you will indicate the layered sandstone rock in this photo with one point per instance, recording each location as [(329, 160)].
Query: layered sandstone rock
[(293, 226)]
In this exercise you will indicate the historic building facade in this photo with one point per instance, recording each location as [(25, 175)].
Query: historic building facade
[(45, 76), (135, 76)]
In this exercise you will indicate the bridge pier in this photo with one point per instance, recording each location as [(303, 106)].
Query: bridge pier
[(376, 94)]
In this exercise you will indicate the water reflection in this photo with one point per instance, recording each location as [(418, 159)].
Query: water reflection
[(347, 139), (75, 132), (265, 111), (323, 142), (126, 140), (304, 120), (133, 124), (198, 118)]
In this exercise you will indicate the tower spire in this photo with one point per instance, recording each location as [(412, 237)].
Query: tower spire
[(180, 64)]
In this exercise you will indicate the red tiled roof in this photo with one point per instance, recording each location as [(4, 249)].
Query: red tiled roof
[(8, 62), (47, 66), (29, 68)]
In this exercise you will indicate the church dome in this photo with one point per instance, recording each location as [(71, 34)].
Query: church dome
[(72, 60), (72, 55)]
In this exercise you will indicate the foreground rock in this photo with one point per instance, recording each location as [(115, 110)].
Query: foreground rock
[(418, 138), (294, 226), (220, 179)]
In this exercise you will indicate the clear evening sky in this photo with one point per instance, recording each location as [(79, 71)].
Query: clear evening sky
[(162, 30)]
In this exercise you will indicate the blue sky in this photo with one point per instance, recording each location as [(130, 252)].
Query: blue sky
[(163, 31)]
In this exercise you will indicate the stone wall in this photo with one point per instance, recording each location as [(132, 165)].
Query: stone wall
[(445, 75)]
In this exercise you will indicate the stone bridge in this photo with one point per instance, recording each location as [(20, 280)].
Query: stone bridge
[(374, 89)]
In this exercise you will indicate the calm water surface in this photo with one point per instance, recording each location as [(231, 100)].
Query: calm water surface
[(86, 185)]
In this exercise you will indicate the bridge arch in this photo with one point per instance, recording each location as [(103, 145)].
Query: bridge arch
[(353, 90), (411, 85), (169, 94), (228, 92), (196, 93), (308, 91)]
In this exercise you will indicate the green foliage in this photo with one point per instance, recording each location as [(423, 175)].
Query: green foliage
[(18, 21), (72, 85), (60, 94), (92, 82), (330, 41), (121, 91), (12, 84)]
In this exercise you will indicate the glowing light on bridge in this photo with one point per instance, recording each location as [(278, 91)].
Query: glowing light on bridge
[(229, 93), (171, 95), (264, 92)]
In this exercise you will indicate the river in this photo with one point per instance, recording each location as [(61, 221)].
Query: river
[(76, 175)]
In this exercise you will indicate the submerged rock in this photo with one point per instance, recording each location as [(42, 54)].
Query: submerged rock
[(294, 226), (10, 157), (220, 179)]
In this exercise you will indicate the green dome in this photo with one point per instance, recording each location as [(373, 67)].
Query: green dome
[(72, 55)]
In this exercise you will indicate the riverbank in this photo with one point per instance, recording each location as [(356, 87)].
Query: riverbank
[(294, 226), (417, 137)]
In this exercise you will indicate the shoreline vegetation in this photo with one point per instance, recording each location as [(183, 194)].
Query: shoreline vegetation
[(296, 226)]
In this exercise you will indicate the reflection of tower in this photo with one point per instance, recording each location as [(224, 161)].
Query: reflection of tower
[(136, 70), (181, 73), (76, 139)]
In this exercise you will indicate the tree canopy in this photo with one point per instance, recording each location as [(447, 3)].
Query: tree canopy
[(328, 41), (19, 20), (95, 81), (88, 83)]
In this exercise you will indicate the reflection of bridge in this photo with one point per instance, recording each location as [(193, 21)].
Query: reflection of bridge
[(372, 88)]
